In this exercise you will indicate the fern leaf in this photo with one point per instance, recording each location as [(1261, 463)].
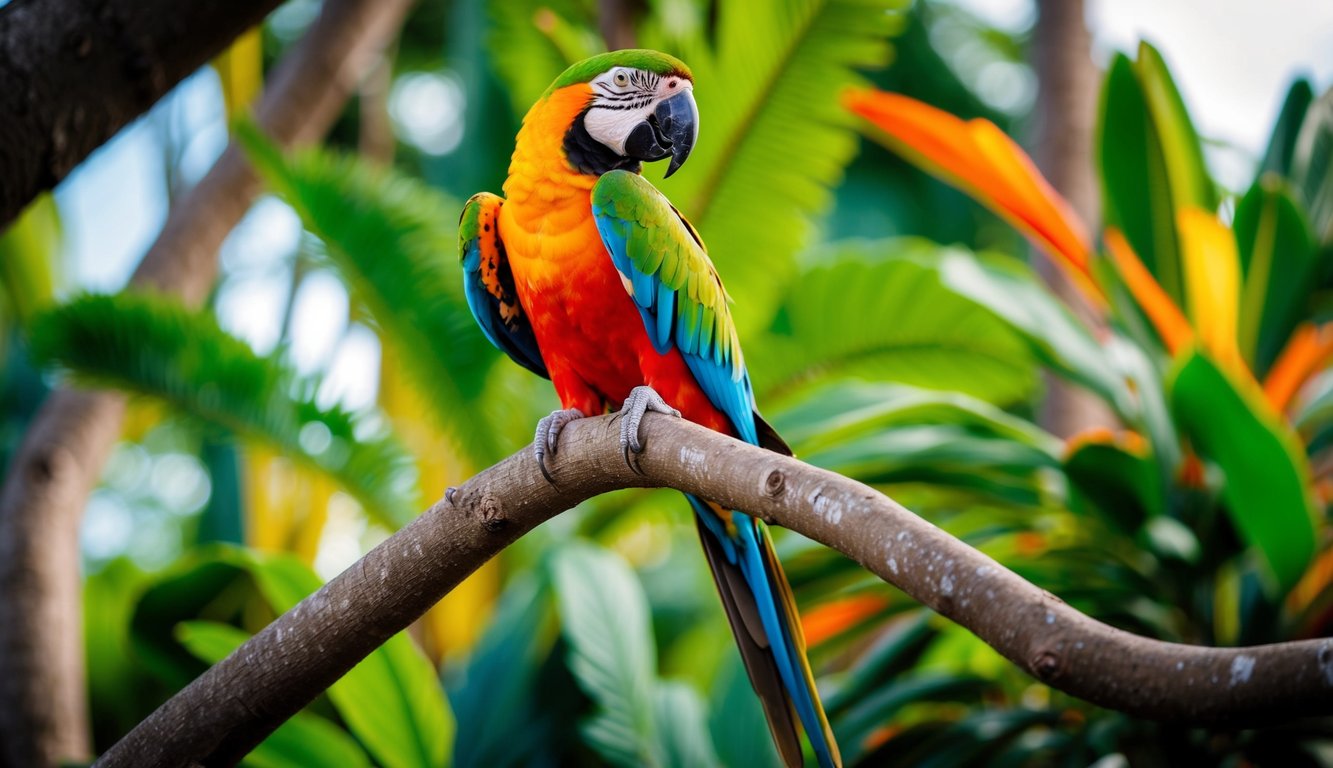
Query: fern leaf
[(154, 346), (394, 241)]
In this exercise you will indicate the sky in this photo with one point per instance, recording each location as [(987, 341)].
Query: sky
[(1231, 59)]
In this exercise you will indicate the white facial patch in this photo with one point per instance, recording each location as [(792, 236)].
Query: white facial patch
[(623, 98)]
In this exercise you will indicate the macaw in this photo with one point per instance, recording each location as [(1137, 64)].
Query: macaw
[(584, 273)]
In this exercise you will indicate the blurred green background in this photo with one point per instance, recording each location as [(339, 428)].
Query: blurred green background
[(336, 384)]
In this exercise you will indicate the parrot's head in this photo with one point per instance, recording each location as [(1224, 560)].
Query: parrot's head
[(640, 107)]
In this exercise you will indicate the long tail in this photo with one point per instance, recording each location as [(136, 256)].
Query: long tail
[(763, 618)]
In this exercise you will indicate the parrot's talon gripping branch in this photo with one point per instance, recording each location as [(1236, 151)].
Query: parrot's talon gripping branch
[(641, 400), (449, 495), (547, 439)]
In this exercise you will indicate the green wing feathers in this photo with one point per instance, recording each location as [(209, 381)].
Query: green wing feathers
[(661, 252), (666, 270)]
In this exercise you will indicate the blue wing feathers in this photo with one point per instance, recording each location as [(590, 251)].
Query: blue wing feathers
[(666, 314), (488, 285)]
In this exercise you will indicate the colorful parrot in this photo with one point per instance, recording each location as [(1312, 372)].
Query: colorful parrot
[(584, 273)]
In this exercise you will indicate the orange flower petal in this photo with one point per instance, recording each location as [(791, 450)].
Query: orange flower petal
[(1126, 440), (980, 159), (1305, 354), (1165, 316), (833, 618)]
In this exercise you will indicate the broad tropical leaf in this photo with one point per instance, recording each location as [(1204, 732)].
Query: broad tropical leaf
[(1266, 490), (154, 346), (1118, 478), (736, 719), (1181, 150), (512, 670), (882, 310), (117, 696), (1011, 290), (611, 651), (1278, 255), (846, 409), (1136, 198), (1312, 166), (1282, 144), (682, 723)]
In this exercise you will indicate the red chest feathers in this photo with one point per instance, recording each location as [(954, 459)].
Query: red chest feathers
[(587, 327)]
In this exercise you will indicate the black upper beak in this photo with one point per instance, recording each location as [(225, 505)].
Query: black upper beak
[(669, 131)]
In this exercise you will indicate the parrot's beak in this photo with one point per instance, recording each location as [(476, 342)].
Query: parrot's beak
[(669, 131)]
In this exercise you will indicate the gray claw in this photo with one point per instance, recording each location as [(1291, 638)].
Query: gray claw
[(640, 401), (547, 438)]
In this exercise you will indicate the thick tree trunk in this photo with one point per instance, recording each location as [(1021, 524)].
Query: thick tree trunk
[(75, 72), (43, 716), (1068, 84)]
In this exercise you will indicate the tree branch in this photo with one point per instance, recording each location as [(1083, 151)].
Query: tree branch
[(76, 72), (43, 708), (232, 706)]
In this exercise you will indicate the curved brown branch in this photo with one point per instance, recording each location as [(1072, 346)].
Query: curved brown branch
[(43, 717), (235, 704)]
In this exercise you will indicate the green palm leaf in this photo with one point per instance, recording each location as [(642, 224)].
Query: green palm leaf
[(29, 253), (154, 346), (882, 311), (532, 41), (774, 139), (394, 241)]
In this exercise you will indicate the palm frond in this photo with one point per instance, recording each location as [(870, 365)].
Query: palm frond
[(394, 241), (774, 137), (532, 41), (881, 311), (154, 346)]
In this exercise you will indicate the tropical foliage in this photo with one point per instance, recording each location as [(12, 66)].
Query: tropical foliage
[(877, 352)]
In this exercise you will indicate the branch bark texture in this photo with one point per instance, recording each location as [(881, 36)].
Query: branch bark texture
[(43, 708), (75, 72), (235, 704)]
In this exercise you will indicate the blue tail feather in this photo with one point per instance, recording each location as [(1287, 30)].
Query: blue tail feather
[(748, 550)]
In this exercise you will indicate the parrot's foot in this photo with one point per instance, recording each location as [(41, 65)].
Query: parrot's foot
[(548, 437), (640, 401)]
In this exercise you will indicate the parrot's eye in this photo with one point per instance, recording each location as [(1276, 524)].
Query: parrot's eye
[(621, 79)]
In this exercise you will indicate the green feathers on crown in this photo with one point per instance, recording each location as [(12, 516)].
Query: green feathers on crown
[(637, 58)]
